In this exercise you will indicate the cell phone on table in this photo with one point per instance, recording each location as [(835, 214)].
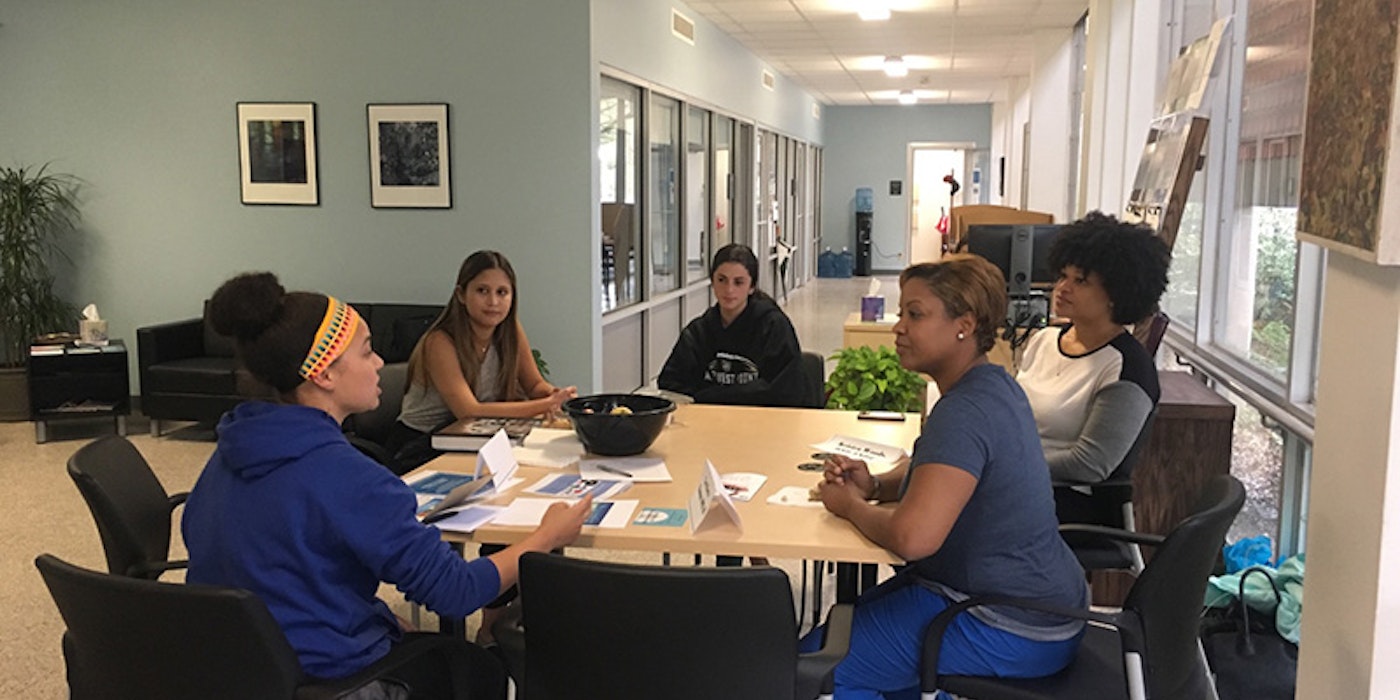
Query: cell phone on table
[(880, 415)]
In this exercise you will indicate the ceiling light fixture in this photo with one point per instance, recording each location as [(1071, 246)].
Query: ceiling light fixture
[(895, 67), (907, 97), (873, 10)]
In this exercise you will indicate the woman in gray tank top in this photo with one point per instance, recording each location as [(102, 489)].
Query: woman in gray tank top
[(473, 361)]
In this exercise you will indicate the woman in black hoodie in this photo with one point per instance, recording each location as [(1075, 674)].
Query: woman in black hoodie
[(743, 349)]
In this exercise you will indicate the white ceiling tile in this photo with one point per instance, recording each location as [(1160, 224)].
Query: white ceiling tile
[(959, 51)]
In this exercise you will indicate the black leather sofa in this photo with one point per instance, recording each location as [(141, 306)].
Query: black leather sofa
[(188, 372)]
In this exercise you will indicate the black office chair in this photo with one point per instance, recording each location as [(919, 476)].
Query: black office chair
[(676, 633), (814, 371), (1108, 503), (1151, 648), (133, 638), (369, 431), (131, 508)]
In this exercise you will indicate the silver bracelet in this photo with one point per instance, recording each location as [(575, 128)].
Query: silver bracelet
[(875, 492)]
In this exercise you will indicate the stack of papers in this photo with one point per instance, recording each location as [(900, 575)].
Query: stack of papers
[(547, 447)]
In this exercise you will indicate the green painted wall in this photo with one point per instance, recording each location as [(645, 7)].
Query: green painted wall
[(137, 97)]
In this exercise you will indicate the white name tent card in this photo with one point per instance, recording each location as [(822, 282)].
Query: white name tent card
[(502, 466), (857, 448), (711, 497)]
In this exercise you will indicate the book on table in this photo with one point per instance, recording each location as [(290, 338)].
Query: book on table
[(469, 434)]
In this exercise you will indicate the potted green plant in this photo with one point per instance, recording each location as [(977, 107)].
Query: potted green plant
[(36, 209), (867, 379)]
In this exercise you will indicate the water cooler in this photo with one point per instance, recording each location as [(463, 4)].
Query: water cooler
[(865, 210)]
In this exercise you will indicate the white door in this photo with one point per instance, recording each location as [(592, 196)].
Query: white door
[(932, 198)]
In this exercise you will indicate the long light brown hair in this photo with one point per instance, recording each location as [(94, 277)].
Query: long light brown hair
[(456, 323)]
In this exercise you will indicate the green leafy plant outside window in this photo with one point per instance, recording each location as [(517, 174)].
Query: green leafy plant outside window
[(866, 379)]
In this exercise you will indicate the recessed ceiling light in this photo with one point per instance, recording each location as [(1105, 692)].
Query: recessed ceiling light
[(907, 97), (873, 10), (895, 67)]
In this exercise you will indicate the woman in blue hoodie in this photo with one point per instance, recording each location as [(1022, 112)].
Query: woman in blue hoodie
[(288, 509)]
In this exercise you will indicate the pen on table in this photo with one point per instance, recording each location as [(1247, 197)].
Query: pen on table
[(614, 470)]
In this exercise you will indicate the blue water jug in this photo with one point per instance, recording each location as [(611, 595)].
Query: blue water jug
[(826, 263), (845, 263), (865, 199)]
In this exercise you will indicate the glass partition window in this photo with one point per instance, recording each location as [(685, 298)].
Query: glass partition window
[(618, 120), (722, 158), (697, 211), (663, 212)]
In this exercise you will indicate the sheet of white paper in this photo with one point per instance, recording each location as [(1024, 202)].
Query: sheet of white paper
[(742, 485), (547, 447), (470, 518), (616, 514), (552, 437), (637, 469), (496, 456), (527, 512), (794, 496), (857, 448)]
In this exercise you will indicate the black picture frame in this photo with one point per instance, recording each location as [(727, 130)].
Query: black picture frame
[(277, 153), (409, 156)]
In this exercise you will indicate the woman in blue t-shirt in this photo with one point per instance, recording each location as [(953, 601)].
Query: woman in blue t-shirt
[(975, 514)]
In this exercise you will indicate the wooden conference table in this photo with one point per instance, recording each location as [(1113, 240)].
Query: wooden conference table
[(769, 441)]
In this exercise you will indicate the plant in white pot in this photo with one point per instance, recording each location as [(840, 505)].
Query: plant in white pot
[(37, 208)]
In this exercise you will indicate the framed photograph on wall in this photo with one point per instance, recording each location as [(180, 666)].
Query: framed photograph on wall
[(408, 156), (277, 152)]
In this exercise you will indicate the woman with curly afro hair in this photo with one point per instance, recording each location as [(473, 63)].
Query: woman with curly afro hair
[(1092, 385)]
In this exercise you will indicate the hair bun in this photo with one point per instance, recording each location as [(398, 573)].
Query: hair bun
[(247, 305)]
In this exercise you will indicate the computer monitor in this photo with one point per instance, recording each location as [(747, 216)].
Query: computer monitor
[(1022, 252)]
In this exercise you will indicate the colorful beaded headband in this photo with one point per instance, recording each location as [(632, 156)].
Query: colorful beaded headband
[(334, 335)]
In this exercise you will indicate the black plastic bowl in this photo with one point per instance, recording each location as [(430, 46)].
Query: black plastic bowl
[(603, 432)]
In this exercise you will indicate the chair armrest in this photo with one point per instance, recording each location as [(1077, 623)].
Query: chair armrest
[(399, 655), (164, 342), (1113, 533), (814, 668), (933, 635), (153, 570), (510, 635)]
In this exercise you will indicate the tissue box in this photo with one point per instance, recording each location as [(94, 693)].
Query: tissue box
[(92, 332), (872, 308)]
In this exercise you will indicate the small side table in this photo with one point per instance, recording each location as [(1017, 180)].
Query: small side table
[(78, 382)]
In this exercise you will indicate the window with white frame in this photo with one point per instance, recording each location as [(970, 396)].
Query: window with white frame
[(1240, 282)]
